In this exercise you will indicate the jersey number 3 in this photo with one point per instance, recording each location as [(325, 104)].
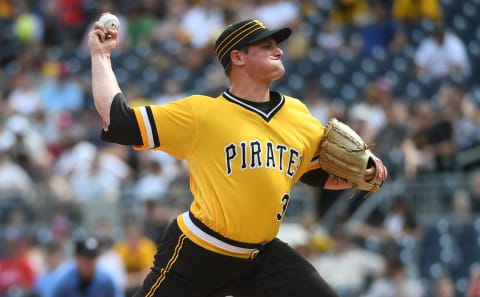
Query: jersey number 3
[(284, 202)]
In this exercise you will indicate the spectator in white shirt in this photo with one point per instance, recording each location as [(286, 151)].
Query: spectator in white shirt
[(441, 55), (346, 265)]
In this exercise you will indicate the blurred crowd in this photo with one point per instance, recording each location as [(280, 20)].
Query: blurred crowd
[(400, 72)]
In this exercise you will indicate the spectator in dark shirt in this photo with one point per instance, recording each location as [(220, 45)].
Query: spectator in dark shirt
[(380, 31)]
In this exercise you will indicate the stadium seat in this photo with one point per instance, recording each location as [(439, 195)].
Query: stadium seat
[(417, 35), (304, 68), (381, 57), (296, 83), (131, 62), (428, 87), (392, 77), (349, 93), (337, 67), (429, 251), (473, 48), (461, 27), (359, 79), (328, 83), (470, 10), (449, 10), (368, 66), (400, 64), (413, 89), (123, 76)]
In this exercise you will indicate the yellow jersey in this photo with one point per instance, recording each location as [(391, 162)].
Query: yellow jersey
[(243, 161)]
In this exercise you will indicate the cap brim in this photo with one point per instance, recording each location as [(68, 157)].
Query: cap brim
[(279, 35)]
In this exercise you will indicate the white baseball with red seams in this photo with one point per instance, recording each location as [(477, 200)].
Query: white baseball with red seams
[(110, 21)]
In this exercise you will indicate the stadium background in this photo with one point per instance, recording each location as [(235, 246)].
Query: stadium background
[(352, 59)]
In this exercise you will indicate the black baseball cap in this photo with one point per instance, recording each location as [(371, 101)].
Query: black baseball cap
[(241, 34), (87, 247)]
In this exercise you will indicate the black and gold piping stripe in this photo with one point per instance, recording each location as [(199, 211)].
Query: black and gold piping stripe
[(164, 271)]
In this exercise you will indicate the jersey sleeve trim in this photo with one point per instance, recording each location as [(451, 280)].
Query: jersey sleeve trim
[(123, 127), (148, 129), (151, 120), (314, 164), (315, 178)]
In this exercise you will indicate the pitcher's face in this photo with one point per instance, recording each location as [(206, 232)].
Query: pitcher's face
[(263, 60)]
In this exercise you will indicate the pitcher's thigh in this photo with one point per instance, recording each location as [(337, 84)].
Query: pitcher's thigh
[(282, 272), (157, 284)]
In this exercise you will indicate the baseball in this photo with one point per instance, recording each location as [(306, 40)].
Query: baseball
[(110, 21)]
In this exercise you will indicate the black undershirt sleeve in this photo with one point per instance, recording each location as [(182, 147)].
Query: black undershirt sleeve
[(123, 128), (315, 178)]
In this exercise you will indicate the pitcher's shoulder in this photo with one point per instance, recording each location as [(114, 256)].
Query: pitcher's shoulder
[(295, 102)]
